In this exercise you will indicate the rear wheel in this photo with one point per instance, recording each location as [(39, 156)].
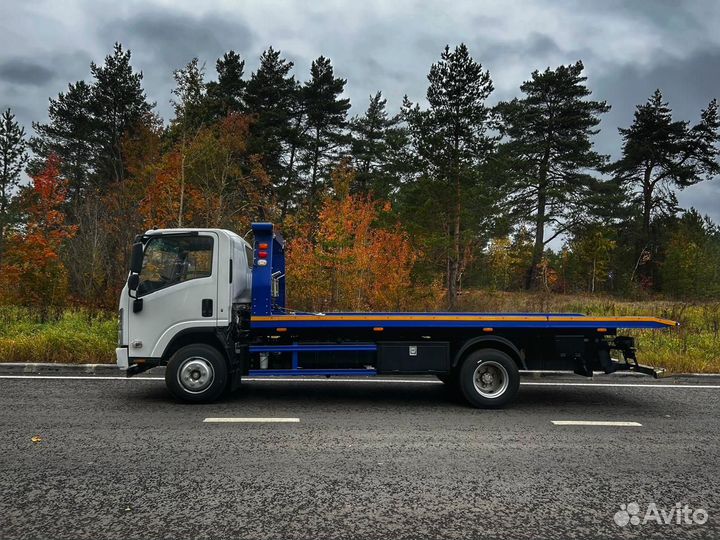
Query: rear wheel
[(489, 379), (196, 373)]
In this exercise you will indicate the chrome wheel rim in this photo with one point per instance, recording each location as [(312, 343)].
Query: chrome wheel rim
[(491, 379), (196, 374)]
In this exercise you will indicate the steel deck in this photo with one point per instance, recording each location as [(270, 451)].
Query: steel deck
[(455, 320)]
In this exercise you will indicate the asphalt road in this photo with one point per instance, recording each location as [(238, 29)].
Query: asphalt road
[(121, 459)]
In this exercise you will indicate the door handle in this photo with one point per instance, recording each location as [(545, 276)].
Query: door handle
[(207, 307)]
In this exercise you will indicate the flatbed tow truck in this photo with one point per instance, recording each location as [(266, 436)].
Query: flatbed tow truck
[(211, 307)]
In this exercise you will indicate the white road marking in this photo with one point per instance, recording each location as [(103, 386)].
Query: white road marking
[(364, 380), (82, 377), (595, 423), (631, 385), (250, 420)]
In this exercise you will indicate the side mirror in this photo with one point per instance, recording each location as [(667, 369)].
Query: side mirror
[(136, 257), (133, 282)]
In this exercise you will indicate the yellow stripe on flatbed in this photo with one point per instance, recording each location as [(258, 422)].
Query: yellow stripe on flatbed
[(666, 322), (462, 318)]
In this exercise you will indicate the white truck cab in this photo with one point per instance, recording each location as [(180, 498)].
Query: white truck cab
[(187, 282)]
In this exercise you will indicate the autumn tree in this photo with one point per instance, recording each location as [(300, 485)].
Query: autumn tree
[(120, 219), (189, 104), (209, 180), (166, 202), (32, 270), (13, 157), (451, 142), (548, 154), (347, 261), (233, 187)]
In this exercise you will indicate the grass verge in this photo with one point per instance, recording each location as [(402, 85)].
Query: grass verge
[(77, 336)]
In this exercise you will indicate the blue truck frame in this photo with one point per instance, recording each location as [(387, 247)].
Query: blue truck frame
[(276, 330)]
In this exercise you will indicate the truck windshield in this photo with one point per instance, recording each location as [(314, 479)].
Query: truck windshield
[(174, 259)]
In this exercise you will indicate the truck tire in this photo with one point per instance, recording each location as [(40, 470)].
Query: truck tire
[(197, 373), (489, 379)]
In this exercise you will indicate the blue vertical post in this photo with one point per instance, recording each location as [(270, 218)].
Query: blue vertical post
[(262, 299), (278, 266), (262, 273), (295, 361)]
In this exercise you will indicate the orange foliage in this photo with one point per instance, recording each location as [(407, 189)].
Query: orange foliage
[(208, 180), (32, 272), (161, 205), (349, 262)]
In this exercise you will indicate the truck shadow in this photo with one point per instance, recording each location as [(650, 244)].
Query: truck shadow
[(269, 395)]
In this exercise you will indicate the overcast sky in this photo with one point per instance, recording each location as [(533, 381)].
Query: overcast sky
[(629, 48)]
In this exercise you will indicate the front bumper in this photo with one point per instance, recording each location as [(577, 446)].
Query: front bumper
[(123, 361)]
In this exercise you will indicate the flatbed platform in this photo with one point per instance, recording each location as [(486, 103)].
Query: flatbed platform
[(455, 320)]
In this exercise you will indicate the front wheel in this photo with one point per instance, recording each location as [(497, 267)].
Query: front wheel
[(196, 373), (489, 379)]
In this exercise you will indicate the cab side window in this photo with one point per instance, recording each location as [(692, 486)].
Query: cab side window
[(174, 259)]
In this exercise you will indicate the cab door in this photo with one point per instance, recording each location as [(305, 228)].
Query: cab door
[(177, 290)]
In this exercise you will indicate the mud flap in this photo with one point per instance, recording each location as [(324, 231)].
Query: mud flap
[(237, 366)]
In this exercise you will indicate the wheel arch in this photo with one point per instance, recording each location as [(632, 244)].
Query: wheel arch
[(192, 336), (489, 342)]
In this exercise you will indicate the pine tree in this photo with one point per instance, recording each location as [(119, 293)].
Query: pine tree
[(13, 157), (189, 102), (69, 134), (87, 123), (118, 105), (691, 265), (451, 144), (376, 138), (660, 154), (326, 122), (227, 94), (548, 151), (272, 96)]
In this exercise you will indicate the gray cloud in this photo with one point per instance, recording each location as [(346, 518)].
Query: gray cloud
[(25, 72), (164, 40), (629, 48), (173, 39), (688, 86)]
